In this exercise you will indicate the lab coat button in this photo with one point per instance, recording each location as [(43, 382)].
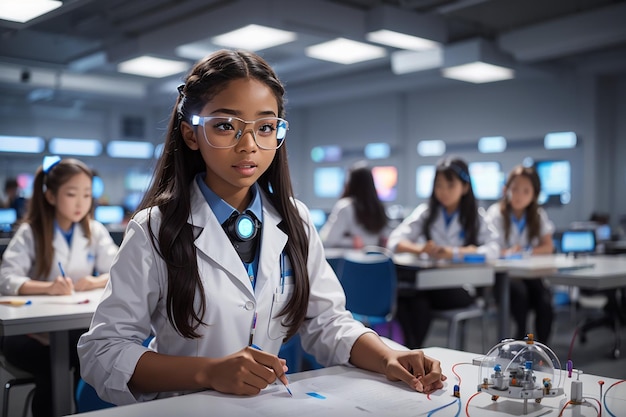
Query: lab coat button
[(249, 305)]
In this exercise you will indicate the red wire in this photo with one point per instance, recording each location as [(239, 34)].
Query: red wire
[(468, 401)]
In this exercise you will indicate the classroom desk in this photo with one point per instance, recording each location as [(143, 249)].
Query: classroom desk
[(353, 392), (430, 275), (593, 272), (56, 315)]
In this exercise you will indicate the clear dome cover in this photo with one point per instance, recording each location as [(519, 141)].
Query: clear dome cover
[(522, 369)]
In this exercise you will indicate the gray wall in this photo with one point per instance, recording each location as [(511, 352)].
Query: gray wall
[(521, 110)]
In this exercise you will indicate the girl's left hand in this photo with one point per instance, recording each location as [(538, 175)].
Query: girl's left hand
[(86, 283), (418, 371)]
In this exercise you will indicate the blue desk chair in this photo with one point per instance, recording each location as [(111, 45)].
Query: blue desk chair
[(370, 282)]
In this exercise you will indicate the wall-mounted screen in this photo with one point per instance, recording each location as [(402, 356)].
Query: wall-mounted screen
[(328, 182), (109, 214), (318, 216), (8, 216), (424, 179), (137, 181), (25, 183), (386, 182), (555, 182), (487, 180)]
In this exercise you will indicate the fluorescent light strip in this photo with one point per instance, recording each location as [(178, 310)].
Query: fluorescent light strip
[(560, 140), (478, 72), (130, 149), (345, 51), (492, 144), (22, 11), (149, 66), (401, 40), (80, 147), (431, 147), (254, 38), (23, 144)]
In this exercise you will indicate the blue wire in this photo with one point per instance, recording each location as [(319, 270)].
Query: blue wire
[(606, 408), (457, 400)]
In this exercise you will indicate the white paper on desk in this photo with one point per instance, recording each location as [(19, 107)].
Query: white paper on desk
[(346, 395)]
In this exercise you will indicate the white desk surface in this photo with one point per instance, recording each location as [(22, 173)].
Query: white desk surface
[(48, 313), (364, 394), (58, 315)]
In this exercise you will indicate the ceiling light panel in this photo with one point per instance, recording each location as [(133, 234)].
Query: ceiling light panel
[(22, 11), (254, 38), (345, 51), (401, 40), (478, 73), (149, 66)]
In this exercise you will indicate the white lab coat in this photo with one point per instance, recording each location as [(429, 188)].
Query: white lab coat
[(134, 302), (341, 228), (82, 258), (494, 217), (411, 229)]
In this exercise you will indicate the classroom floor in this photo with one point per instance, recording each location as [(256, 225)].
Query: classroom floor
[(592, 357)]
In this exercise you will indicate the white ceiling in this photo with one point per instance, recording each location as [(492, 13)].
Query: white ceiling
[(70, 54)]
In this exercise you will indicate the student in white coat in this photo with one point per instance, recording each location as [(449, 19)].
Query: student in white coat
[(221, 258), (58, 232), (524, 229), (358, 219), (447, 227)]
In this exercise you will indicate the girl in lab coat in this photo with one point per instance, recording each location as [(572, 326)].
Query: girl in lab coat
[(221, 259), (58, 248), (358, 219), (449, 226), (524, 229)]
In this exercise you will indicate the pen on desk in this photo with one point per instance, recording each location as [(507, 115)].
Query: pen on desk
[(252, 345), (15, 302)]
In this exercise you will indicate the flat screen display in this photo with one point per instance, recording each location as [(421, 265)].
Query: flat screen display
[(328, 182), (487, 180), (424, 178), (386, 182), (578, 241), (556, 180), (109, 214)]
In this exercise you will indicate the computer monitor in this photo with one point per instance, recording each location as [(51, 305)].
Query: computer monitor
[(109, 214), (578, 241), (8, 216), (318, 216)]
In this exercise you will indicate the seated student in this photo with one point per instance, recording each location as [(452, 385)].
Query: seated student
[(358, 219), (57, 249), (524, 229), (13, 198), (447, 227), (221, 259)]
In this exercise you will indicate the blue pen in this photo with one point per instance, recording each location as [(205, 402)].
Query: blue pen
[(61, 269), (252, 345)]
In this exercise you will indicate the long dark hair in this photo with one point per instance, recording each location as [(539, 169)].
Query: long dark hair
[(452, 167), (170, 191), (533, 222), (40, 213), (369, 210)]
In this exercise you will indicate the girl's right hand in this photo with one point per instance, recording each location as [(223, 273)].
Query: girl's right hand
[(246, 372), (61, 286)]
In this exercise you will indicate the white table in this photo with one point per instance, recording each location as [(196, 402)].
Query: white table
[(353, 382), (56, 315), (594, 272)]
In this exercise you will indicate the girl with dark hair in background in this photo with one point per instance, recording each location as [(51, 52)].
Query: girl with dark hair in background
[(447, 227), (358, 219), (57, 232)]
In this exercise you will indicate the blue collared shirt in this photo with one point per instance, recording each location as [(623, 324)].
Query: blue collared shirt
[(223, 211)]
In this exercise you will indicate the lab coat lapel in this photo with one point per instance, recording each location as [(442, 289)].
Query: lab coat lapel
[(213, 242), (79, 250), (273, 243)]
